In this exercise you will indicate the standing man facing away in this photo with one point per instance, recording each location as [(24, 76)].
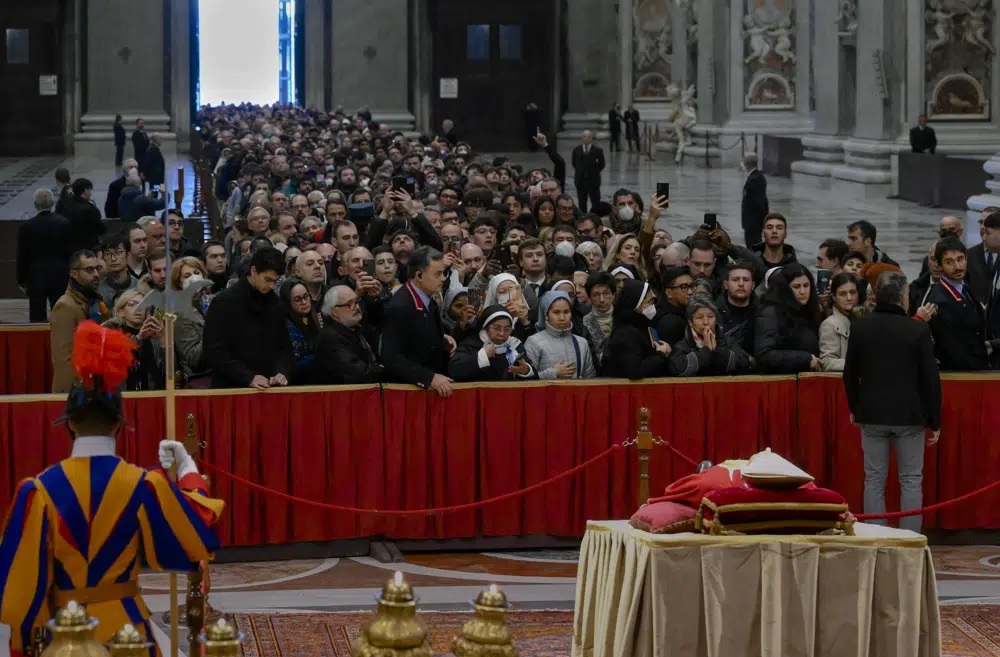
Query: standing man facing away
[(615, 127), (588, 163), (119, 131), (44, 246), (140, 144), (894, 393), (755, 206)]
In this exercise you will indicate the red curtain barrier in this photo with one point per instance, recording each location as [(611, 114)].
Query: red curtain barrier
[(400, 447), (25, 360)]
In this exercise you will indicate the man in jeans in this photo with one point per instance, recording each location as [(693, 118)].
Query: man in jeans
[(894, 393)]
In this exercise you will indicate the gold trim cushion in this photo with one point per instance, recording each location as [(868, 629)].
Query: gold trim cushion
[(809, 510), (664, 518)]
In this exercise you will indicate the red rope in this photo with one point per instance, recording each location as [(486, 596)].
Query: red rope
[(690, 461), (927, 509), (408, 512)]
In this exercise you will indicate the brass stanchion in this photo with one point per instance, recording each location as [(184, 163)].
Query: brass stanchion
[(127, 642), (73, 634), (644, 443), (395, 631), (221, 639), (487, 635)]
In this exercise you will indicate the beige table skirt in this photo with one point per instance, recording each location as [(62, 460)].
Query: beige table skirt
[(690, 595)]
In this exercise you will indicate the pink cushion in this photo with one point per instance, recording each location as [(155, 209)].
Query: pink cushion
[(664, 518)]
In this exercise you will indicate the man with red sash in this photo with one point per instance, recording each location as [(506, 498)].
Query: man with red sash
[(83, 528)]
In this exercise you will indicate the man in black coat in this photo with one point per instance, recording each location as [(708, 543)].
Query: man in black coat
[(615, 127), (755, 206), (983, 263), (44, 247), (140, 144), (245, 340), (119, 132), (991, 294), (84, 217), (894, 393), (415, 348), (922, 137), (588, 163), (343, 355), (959, 327), (115, 191), (156, 168)]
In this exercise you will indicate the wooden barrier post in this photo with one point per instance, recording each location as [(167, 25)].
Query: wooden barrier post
[(195, 605), (644, 443)]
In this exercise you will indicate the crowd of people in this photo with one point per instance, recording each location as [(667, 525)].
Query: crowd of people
[(356, 254)]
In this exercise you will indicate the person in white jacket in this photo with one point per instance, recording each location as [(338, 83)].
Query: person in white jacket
[(836, 329)]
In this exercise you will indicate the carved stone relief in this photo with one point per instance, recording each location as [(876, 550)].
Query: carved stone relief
[(958, 55), (847, 19), (769, 57), (652, 47)]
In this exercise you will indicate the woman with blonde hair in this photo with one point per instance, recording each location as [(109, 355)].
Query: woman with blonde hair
[(188, 328), (625, 250), (147, 371)]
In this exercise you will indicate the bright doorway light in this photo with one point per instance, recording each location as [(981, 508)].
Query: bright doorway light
[(238, 51)]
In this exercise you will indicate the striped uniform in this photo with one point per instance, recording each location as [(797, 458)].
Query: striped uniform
[(83, 529)]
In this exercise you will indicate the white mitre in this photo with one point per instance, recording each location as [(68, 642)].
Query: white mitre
[(768, 465)]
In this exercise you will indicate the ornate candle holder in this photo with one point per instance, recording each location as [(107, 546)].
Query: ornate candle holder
[(221, 639), (127, 642), (395, 631), (73, 634), (487, 635)]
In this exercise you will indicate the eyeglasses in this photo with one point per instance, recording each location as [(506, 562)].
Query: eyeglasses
[(117, 253), (133, 303), (176, 222), (601, 295), (300, 299), (501, 329), (683, 287), (353, 303)]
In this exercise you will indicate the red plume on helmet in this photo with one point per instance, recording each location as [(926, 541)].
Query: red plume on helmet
[(102, 357)]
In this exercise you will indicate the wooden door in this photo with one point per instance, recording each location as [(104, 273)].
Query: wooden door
[(30, 66), (498, 56)]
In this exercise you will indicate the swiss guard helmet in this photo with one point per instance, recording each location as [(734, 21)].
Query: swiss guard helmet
[(101, 358)]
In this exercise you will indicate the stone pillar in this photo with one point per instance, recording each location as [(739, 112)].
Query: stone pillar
[(180, 72), (978, 203), (125, 70), (315, 60), (711, 34), (592, 65), (371, 59), (834, 34), (881, 47)]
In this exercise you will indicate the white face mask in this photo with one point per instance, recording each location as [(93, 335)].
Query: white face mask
[(649, 312), (626, 213), (565, 249), (503, 299)]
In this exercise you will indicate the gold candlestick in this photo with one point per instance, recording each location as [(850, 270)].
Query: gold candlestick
[(127, 642), (221, 639), (395, 631), (73, 634), (487, 635)]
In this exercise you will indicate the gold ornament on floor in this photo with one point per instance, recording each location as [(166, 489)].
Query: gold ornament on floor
[(487, 635), (395, 631), (127, 642), (73, 634), (221, 639)]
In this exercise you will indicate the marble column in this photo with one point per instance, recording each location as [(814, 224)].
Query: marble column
[(592, 65), (881, 65), (712, 33), (315, 59), (833, 44), (976, 204), (371, 59), (124, 67), (180, 71)]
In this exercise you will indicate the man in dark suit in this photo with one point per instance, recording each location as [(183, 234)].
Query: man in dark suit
[(415, 348), (588, 163), (959, 325), (894, 393), (119, 132), (991, 292), (982, 264), (140, 144), (615, 127), (115, 190), (922, 137), (44, 247), (156, 168), (755, 206), (343, 355)]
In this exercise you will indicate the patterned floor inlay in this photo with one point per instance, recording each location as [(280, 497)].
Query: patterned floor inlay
[(34, 169)]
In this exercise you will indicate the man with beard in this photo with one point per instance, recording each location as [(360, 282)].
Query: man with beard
[(80, 302), (343, 354), (403, 245), (959, 327), (737, 306), (348, 180), (214, 256)]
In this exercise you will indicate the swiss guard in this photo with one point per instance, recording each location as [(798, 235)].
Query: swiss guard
[(81, 530)]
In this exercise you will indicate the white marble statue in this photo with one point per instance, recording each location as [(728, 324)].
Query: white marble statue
[(682, 117), (782, 35), (760, 47), (941, 18), (975, 26)]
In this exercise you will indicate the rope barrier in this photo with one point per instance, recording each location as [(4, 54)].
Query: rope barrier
[(408, 512)]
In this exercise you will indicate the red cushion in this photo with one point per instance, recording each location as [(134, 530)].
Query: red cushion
[(692, 488), (808, 510), (664, 518)]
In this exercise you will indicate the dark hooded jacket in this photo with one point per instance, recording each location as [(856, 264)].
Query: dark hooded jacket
[(630, 353)]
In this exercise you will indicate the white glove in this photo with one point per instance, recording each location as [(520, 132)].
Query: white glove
[(172, 452)]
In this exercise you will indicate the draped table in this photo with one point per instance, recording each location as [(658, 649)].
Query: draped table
[(694, 595)]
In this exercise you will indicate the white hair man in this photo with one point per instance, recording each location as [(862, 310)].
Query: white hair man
[(343, 354)]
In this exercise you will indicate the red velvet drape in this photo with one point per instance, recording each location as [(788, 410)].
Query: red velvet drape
[(400, 447), (25, 359)]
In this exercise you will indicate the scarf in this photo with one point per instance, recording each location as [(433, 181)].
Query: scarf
[(93, 304), (605, 320)]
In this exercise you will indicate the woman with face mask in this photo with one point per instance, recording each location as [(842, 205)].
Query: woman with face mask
[(705, 351), (553, 350), (634, 350), (492, 354)]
